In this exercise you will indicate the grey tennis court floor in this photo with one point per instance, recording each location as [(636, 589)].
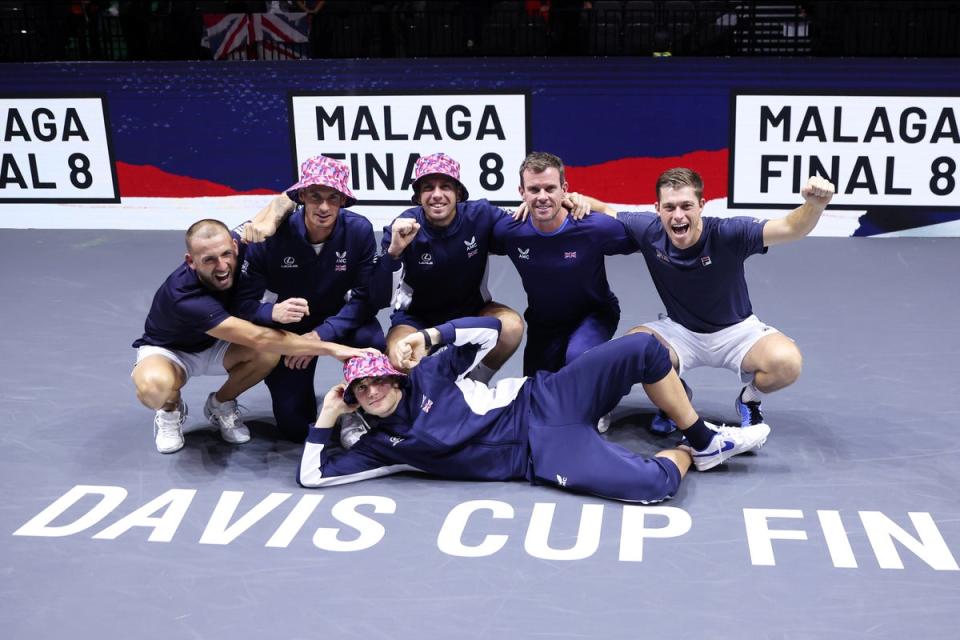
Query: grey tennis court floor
[(846, 525)]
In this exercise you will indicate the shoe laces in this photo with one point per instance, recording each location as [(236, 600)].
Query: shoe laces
[(229, 414), (168, 427)]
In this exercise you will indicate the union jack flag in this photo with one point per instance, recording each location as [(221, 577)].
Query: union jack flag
[(426, 404), (569, 254), (252, 36)]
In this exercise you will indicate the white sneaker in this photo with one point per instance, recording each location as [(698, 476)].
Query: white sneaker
[(728, 442), (227, 418), (352, 427), (604, 423), (168, 428)]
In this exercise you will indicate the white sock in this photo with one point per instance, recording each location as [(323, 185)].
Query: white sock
[(481, 373), (751, 394)]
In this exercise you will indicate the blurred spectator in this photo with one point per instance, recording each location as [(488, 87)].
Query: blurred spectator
[(135, 20), (566, 19), (319, 42), (83, 29)]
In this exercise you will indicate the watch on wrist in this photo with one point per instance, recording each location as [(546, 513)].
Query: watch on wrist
[(427, 342)]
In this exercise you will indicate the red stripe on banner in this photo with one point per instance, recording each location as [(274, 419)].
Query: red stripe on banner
[(145, 181), (632, 180), (266, 25), (229, 42)]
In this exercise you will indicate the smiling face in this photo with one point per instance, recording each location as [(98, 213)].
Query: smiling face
[(321, 206), (679, 210), (377, 396), (438, 197), (543, 192), (214, 259)]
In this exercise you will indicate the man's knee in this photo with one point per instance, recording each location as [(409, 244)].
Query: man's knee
[(786, 362), (511, 325), (646, 343), (155, 385), (642, 353), (397, 333), (266, 362), (511, 329), (779, 360), (640, 329)]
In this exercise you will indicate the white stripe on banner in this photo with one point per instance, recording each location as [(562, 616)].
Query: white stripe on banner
[(180, 213)]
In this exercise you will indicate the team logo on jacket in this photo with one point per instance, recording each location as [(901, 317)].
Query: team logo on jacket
[(471, 245), (395, 440), (289, 262), (341, 261), (561, 480), (426, 404), (244, 267), (569, 255), (523, 254), (662, 257), (706, 261), (426, 259)]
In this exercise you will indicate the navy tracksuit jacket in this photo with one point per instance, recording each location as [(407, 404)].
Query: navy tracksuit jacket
[(540, 428)]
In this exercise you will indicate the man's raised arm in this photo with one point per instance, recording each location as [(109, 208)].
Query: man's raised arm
[(265, 223), (801, 221)]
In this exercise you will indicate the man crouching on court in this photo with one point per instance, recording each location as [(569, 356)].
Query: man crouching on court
[(438, 421), (189, 332)]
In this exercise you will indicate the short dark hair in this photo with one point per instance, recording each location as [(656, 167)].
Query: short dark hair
[(540, 161), (206, 228), (678, 178)]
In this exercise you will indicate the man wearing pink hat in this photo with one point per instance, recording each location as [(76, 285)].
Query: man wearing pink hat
[(312, 276), (190, 332), (438, 253), (438, 421)]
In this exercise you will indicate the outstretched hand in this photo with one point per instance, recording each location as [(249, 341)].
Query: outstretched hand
[(344, 353)]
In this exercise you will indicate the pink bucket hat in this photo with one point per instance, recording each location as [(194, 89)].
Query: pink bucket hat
[(326, 172), (369, 365), (437, 164)]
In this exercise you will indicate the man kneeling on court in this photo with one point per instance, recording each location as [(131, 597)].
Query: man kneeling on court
[(438, 421), (189, 332)]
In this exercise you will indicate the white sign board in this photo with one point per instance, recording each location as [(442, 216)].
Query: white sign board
[(56, 150), (878, 150), (380, 136)]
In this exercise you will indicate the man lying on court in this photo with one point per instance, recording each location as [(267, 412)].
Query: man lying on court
[(540, 428)]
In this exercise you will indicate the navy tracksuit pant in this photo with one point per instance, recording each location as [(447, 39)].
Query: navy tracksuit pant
[(292, 392), (565, 448)]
